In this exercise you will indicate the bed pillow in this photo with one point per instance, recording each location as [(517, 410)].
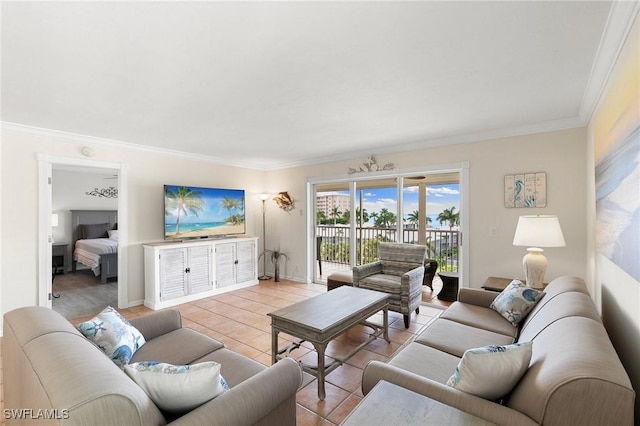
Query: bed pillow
[(515, 301), (112, 333), (113, 234), (491, 372), (88, 232), (178, 388)]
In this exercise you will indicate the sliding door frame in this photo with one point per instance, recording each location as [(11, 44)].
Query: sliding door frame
[(462, 168)]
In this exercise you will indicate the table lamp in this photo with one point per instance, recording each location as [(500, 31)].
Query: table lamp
[(537, 231)]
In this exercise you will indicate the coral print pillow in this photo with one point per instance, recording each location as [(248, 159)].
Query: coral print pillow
[(515, 301), (112, 333)]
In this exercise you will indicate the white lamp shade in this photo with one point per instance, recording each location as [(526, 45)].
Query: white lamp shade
[(538, 231), (264, 197), (54, 219)]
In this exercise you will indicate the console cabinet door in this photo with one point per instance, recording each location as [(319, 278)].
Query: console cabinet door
[(225, 264), (246, 267), (173, 280), (200, 274)]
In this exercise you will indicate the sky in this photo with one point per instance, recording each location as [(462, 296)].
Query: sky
[(439, 197)]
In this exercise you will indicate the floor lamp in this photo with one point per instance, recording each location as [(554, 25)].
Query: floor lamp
[(264, 277)]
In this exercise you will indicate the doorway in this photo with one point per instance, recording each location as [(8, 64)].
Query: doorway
[(47, 216)]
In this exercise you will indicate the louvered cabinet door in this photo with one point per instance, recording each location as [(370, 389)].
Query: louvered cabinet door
[(225, 264), (200, 271), (246, 266), (173, 282)]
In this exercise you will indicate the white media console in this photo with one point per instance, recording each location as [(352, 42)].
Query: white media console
[(176, 272)]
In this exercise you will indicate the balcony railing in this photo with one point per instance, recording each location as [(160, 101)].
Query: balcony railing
[(333, 244)]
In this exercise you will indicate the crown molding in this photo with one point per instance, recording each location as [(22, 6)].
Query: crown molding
[(388, 148), (84, 139), (616, 32)]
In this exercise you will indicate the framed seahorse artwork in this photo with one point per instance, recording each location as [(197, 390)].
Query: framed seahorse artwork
[(525, 190)]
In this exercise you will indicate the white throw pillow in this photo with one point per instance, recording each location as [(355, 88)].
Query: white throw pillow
[(113, 234), (112, 333), (515, 301), (491, 372), (178, 388)]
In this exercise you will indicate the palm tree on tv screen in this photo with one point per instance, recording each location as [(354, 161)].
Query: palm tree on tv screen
[(183, 200), (231, 204)]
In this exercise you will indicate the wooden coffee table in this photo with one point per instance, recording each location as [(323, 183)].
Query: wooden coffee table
[(323, 318)]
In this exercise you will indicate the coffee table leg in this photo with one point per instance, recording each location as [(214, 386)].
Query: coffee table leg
[(274, 345), (320, 349), (385, 323)]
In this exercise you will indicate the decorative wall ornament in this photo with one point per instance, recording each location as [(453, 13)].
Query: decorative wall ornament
[(370, 165), (525, 190), (284, 201), (110, 192)]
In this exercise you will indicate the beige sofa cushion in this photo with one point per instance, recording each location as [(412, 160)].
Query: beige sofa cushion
[(426, 362), (455, 338), (235, 369), (479, 317), (562, 305), (179, 347)]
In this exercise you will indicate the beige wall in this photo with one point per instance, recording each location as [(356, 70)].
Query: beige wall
[(618, 111), (561, 154), (147, 172)]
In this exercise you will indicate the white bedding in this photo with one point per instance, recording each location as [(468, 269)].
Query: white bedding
[(88, 252)]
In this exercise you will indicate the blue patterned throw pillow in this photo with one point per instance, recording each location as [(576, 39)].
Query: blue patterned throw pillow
[(515, 301), (492, 371), (112, 333), (178, 388)]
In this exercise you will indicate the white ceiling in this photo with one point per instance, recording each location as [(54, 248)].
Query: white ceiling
[(274, 84)]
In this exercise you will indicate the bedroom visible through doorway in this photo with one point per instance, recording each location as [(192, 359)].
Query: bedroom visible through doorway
[(85, 273), (85, 186)]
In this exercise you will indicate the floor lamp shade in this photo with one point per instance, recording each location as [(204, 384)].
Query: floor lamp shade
[(535, 232)]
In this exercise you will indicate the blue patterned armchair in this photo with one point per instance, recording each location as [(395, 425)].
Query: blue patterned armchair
[(399, 272)]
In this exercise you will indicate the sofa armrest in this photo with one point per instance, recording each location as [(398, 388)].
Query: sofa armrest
[(479, 407), (363, 271), (272, 391), (157, 323), (476, 296)]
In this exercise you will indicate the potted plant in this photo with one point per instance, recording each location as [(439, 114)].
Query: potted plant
[(276, 255)]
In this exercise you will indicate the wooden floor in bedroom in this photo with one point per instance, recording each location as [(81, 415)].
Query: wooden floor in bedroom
[(82, 293)]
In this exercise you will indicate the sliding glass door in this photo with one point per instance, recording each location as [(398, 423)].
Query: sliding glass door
[(352, 216)]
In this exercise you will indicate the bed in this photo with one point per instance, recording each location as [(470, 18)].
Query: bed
[(95, 241)]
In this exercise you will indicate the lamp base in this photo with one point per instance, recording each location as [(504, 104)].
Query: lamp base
[(535, 266), (264, 278)]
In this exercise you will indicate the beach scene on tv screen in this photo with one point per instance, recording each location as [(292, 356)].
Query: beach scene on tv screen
[(192, 212)]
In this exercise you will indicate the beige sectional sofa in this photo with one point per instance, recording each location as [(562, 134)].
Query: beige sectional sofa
[(52, 370), (574, 377)]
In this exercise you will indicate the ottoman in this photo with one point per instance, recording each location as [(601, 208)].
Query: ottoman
[(338, 279)]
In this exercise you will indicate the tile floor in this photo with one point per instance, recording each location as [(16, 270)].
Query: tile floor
[(239, 320)]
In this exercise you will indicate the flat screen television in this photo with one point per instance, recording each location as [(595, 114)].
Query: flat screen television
[(194, 212)]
